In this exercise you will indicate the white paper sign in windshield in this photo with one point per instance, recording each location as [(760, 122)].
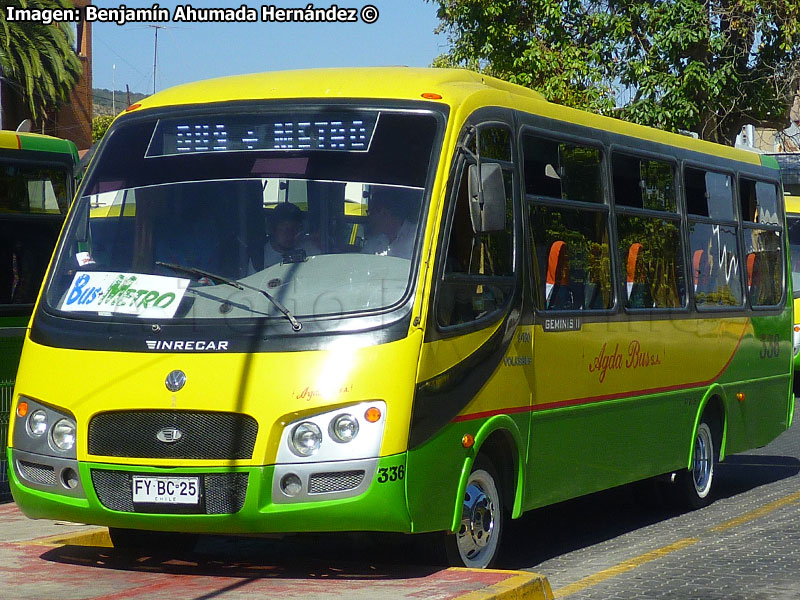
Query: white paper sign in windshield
[(151, 296)]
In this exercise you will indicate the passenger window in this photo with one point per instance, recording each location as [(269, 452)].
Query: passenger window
[(650, 250), (763, 244), (478, 268), (713, 239), (651, 258), (715, 265), (759, 202), (571, 251), (709, 194), (561, 170), (643, 183), (764, 266)]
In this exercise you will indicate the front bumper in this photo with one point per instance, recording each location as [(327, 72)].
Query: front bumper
[(241, 500)]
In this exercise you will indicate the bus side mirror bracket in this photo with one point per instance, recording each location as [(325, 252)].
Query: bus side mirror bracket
[(487, 198)]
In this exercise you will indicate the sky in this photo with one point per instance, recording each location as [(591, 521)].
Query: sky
[(123, 55)]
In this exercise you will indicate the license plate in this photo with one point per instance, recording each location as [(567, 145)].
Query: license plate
[(166, 490)]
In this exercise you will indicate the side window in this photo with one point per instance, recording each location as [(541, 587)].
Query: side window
[(478, 277), (763, 243), (644, 183), (561, 170), (649, 249), (33, 201), (713, 239), (570, 239)]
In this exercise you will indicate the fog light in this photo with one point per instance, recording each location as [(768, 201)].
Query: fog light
[(69, 478), (305, 439), (344, 428), (37, 422), (291, 484), (64, 435)]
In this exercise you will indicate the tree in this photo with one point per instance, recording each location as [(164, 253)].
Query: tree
[(100, 125), (38, 60), (707, 66)]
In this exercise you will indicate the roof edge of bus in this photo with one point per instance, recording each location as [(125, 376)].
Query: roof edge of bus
[(18, 140), (447, 85), (334, 82)]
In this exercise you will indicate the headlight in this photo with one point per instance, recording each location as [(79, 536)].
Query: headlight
[(344, 428), (64, 435), (305, 439), (37, 422)]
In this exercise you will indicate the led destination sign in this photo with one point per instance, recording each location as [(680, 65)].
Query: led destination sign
[(343, 132)]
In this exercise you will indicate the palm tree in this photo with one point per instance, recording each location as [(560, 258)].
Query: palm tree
[(38, 60)]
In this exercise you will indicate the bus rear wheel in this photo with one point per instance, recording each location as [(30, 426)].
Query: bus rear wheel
[(477, 542), (694, 486), (137, 541)]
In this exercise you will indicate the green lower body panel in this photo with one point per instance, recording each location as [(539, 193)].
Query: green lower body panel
[(382, 507), (580, 450)]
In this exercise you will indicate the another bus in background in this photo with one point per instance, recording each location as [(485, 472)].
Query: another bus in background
[(36, 186), (790, 174)]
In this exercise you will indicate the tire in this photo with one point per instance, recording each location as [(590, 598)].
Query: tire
[(477, 543), (160, 543), (695, 485)]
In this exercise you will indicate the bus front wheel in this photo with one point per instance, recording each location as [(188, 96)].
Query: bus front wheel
[(477, 542), (695, 484)]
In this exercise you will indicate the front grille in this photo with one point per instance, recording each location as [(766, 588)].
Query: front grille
[(325, 483), (223, 493), (41, 474), (204, 435)]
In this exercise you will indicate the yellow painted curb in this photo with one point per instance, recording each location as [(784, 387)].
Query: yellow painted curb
[(522, 585), (94, 537)]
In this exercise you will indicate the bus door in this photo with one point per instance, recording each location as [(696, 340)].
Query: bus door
[(472, 366)]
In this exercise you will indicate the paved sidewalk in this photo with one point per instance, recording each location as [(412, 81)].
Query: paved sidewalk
[(45, 560)]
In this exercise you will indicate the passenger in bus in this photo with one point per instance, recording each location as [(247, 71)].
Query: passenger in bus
[(285, 243), (389, 232)]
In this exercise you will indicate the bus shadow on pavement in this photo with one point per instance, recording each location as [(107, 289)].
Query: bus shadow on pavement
[(312, 557), (551, 531), (743, 472)]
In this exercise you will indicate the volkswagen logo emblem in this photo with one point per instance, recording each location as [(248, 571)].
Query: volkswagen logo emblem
[(175, 380), (169, 435)]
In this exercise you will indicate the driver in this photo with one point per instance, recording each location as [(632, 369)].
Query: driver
[(286, 224)]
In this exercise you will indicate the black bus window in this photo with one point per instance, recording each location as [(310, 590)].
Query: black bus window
[(562, 170), (643, 183)]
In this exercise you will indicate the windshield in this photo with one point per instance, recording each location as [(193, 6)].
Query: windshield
[(271, 214)]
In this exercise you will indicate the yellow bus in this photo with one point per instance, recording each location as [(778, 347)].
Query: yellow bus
[(790, 175), (487, 304)]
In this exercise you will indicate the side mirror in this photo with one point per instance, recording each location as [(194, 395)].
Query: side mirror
[(487, 198)]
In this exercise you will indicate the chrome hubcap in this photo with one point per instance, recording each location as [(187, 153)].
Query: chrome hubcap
[(703, 466), (477, 522)]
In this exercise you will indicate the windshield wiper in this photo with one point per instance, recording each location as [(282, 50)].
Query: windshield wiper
[(296, 325)]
